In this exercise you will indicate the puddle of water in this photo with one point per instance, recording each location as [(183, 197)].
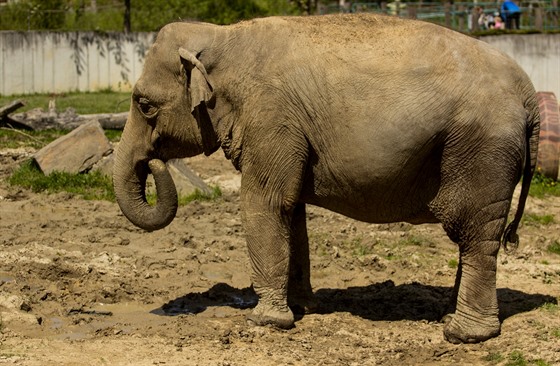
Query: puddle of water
[(6, 277)]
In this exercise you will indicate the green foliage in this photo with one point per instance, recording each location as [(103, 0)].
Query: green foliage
[(90, 186), (453, 263), (540, 362), (197, 195), (414, 240), (516, 358), (13, 139), (550, 307), (113, 135), (105, 101), (493, 357), (554, 247), (537, 220), (146, 15), (34, 14), (542, 186)]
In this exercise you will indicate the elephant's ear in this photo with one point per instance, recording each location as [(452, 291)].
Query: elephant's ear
[(199, 87)]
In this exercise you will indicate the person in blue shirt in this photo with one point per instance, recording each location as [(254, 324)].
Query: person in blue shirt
[(510, 14)]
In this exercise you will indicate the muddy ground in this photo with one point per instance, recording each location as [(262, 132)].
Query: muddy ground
[(80, 285)]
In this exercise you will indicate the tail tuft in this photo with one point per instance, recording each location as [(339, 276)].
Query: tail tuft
[(510, 240)]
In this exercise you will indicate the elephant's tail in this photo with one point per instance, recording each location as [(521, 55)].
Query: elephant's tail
[(510, 240)]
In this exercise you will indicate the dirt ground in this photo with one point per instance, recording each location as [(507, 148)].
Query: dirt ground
[(80, 285)]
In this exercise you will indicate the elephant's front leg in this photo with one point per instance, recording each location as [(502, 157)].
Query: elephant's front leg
[(268, 240)]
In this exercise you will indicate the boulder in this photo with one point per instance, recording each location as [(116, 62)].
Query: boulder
[(75, 152), (186, 181)]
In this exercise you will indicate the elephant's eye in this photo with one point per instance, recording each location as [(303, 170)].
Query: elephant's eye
[(147, 108)]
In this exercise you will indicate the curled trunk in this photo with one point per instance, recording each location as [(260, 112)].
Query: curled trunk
[(130, 187)]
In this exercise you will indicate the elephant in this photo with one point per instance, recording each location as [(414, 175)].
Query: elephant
[(378, 118)]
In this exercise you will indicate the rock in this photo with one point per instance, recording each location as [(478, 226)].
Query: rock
[(75, 152), (105, 165), (186, 181)]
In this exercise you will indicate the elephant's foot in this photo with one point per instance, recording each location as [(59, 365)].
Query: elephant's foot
[(465, 330), (280, 317)]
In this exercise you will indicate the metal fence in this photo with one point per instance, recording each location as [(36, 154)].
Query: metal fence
[(462, 16)]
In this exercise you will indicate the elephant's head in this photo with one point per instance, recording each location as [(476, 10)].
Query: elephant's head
[(168, 119)]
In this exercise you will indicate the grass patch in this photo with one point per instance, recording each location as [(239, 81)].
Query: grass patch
[(453, 263), (105, 101), (197, 195), (550, 307), (554, 247), (91, 186), (493, 357), (12, 139), (516, 358), (537, 220), (542, 186), (414, 240)]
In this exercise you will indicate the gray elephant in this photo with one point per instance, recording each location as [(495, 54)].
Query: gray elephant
[(377, 118)]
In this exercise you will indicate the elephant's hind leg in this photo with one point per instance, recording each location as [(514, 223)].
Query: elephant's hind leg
[(300, 294), (478, 237)]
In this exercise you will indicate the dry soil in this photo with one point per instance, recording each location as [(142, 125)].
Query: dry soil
[(80, 285)]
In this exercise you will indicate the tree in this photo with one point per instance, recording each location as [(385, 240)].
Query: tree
[(127, 16)]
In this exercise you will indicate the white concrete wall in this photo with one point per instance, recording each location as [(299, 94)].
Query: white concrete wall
[(537, 54), (50, 62)]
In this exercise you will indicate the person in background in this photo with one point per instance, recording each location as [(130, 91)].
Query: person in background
[(498, 23), (510, 14)]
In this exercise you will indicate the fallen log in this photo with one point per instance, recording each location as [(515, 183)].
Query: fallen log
[(38, 119), (10, 108), (7, 121)]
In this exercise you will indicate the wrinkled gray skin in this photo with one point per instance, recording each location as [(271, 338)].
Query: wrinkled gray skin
[(377, 118)]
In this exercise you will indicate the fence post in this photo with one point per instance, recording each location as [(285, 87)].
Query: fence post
[(538, 18), (475, 13), (412, 11), (447, 10), (554, 14), (461, 25)]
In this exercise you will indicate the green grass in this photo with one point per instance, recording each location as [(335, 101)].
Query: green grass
[(453, 263), (91, 186), (493, 357), (414, 240), (537, 220), (554, 247), (550, 308), (12, 139), (105, 101), (542, 186), (516, 358)]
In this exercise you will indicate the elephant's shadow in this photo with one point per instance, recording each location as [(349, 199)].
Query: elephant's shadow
[(380, 301)]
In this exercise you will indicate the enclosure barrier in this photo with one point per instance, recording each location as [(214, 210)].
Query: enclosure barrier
[(461, 16)]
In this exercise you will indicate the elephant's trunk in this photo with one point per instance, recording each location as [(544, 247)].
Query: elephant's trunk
[(130, 184)]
